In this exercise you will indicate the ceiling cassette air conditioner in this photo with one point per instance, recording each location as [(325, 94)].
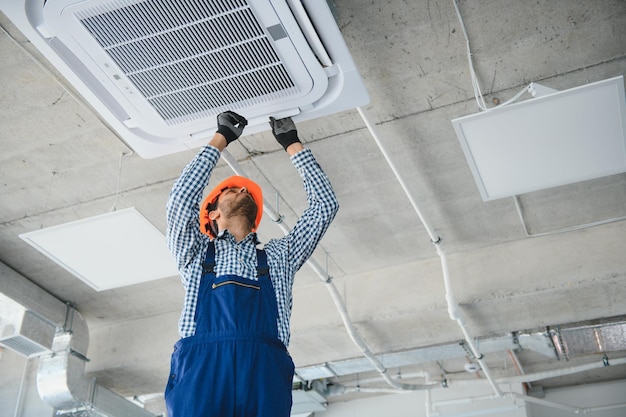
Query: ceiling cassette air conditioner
[(159, 71)]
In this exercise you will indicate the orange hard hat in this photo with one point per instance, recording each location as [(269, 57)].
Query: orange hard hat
[(231, 182)]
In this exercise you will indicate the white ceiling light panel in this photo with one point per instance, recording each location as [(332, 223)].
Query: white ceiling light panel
[(556, 139), (108, 251)]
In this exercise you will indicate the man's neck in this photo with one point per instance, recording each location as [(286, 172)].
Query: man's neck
[(237, 229)]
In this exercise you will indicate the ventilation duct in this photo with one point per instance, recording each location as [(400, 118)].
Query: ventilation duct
[(62, 384), (158, 72), (22, 331), (37, 323), (587, 340), (535, 342), (308, 398)]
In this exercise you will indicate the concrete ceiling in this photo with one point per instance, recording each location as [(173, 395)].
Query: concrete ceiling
[(60, 163)]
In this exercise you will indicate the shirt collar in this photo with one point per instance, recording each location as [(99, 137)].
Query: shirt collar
[(226, 235)]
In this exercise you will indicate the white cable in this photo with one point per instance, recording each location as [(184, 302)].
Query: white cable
[(478, 95), (475, 84), (119, 179), (48, 195), (518, 95)]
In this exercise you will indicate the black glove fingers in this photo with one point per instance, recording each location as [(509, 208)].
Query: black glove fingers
[(230, 124), (280, 125), (236, 119), (284, 131)]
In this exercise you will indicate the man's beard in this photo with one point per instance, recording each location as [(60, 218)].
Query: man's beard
[(241, 206)]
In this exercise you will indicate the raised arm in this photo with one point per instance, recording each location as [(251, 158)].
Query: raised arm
[(183, 235), (303, 238)]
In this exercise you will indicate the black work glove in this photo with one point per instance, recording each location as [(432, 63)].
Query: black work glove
[(231, 125), (284, 131)]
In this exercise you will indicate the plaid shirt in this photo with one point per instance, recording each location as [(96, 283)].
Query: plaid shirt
[(285, 256)]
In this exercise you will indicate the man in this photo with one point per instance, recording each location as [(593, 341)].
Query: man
[(232, 357)]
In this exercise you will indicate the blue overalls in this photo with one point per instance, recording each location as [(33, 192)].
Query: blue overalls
[(234, 365)]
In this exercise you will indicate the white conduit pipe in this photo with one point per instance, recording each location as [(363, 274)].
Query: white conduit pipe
[(559, 372), (603, 407), (342, 389), (455, 314), (571, 408), (433, 236), (19, 402), (334, 293), (453, 309), (428, 402), (465, 400), (335, 390)]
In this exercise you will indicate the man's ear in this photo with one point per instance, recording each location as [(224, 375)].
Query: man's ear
[(214, 214)]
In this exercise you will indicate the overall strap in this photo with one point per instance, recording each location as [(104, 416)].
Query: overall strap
[(262, 269), (208, 266)]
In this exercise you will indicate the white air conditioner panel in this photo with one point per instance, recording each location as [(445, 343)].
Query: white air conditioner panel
[(158, 72), (188, 61)]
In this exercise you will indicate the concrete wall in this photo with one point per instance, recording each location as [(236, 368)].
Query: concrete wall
[(473, 400), (585, 396), (414, 404)]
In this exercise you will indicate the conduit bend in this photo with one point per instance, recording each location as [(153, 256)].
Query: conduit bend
[(455, 314), (334, 293), (453, 307)]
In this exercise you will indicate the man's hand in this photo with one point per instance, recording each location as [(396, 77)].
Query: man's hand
[(284, 131), (231, 125)]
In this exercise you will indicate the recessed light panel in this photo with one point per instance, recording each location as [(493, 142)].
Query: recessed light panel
[(108, 251), (557, 139)]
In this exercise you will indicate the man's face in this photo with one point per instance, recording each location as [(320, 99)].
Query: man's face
[(236, 201)]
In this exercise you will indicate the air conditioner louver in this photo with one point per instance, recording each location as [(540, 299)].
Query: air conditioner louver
[(22, 331), (185, 65), (160, 71), (24, 346)]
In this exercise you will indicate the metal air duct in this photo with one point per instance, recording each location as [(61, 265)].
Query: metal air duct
[(22, 331), (37, 323)]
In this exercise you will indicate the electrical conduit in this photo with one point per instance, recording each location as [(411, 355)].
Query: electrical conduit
[(453, 308), (334, 293)]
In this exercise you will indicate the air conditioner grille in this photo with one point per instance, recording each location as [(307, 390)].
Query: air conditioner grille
[(158, 71), (190, 58), (23, 346), (156, 16)]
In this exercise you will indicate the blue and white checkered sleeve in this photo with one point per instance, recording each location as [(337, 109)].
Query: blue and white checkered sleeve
[(183, 234), (322, 208)]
